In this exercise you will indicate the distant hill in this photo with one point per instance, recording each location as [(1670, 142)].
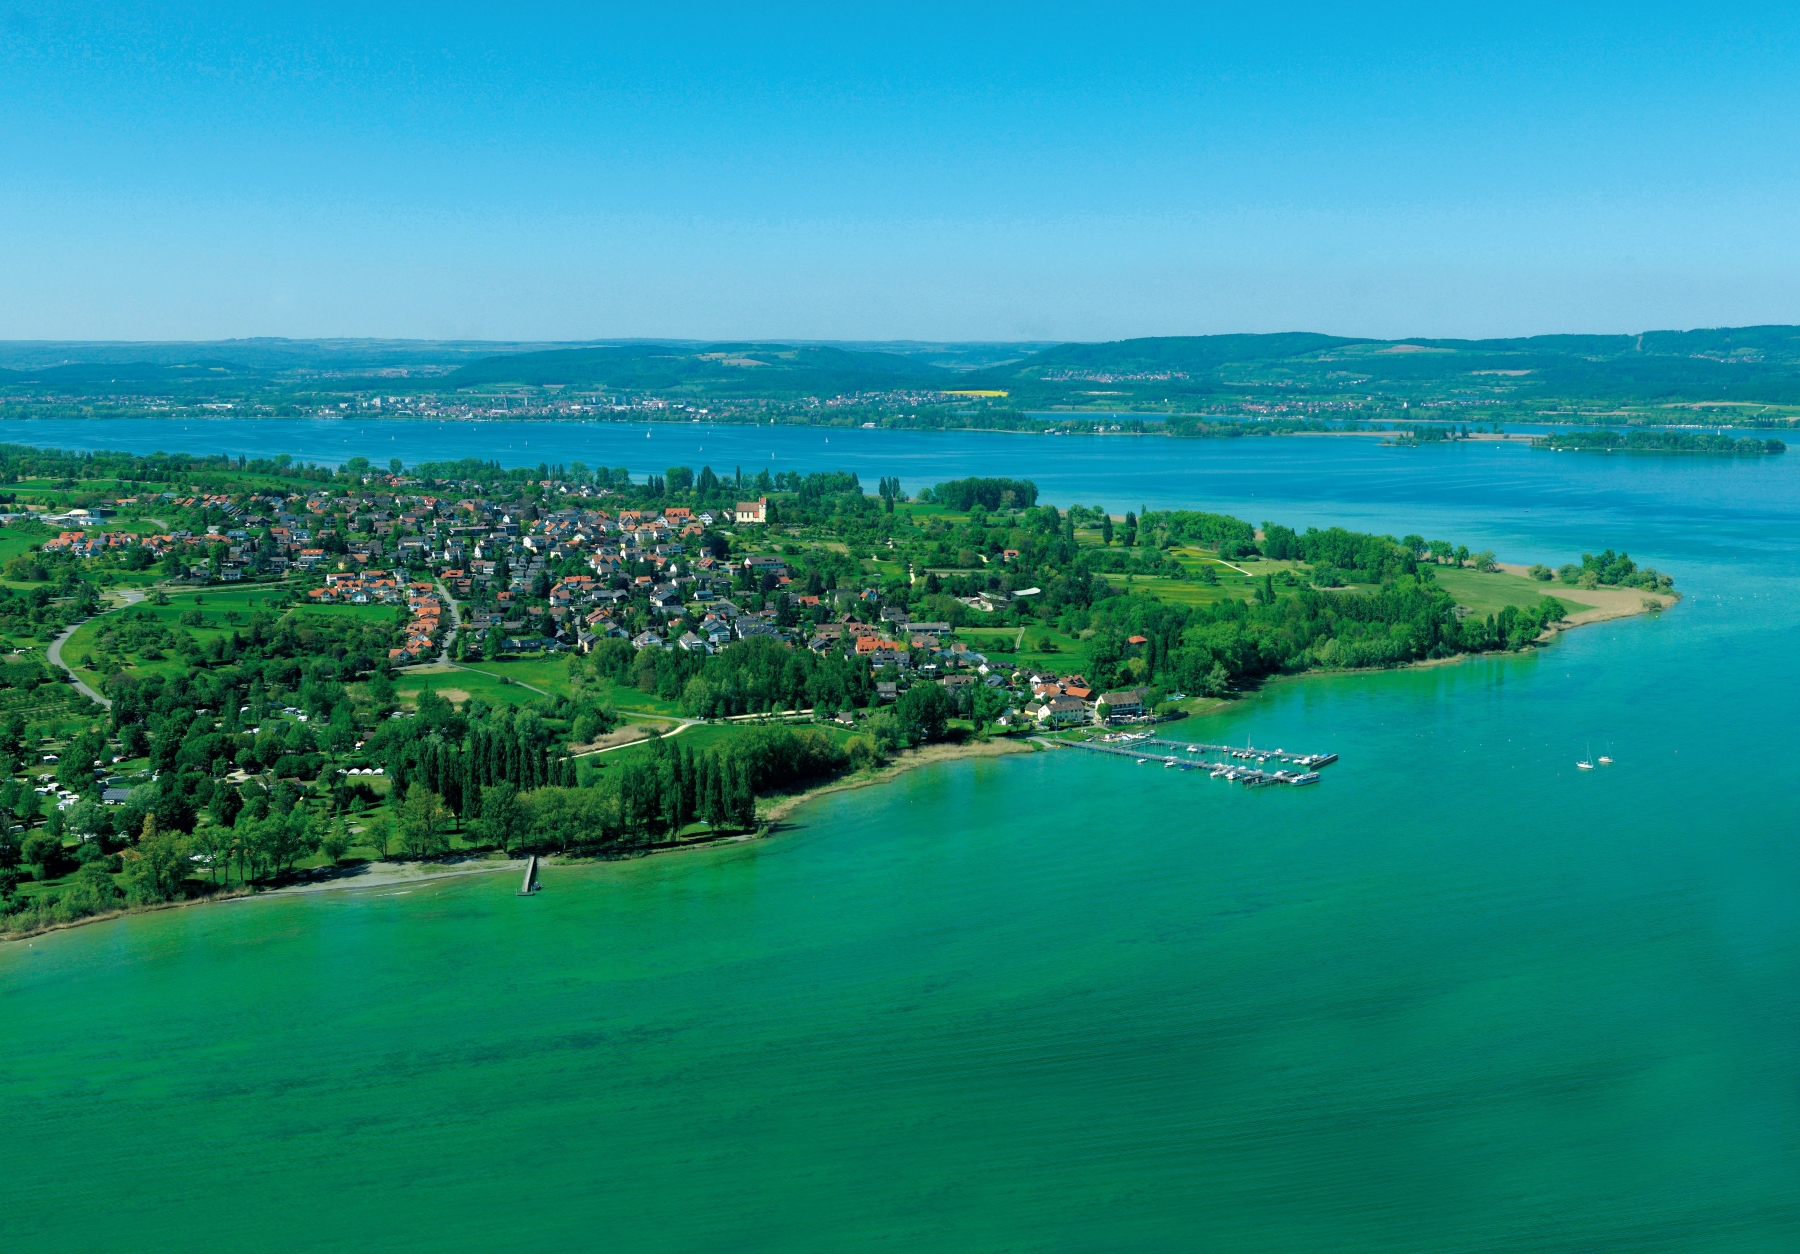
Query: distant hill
[(1760, 364), (201, 377), (724, 369), (1752, 365), (265, 354)]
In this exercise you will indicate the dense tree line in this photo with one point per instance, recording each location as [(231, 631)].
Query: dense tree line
[(1211, 648), (1361, 557), (1660, 442), (656, 794), (754, 676), (991, 494), (1229, 535)]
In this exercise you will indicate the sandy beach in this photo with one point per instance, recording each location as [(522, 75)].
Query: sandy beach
[(387, 874), (1607, 603)]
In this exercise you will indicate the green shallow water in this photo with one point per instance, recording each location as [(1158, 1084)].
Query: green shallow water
[(1458, 997)]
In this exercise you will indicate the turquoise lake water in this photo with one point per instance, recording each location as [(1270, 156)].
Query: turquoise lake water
[(1459, 997)]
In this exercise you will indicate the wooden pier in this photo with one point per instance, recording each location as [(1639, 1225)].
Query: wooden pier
[(529, 884), (1191, 757)]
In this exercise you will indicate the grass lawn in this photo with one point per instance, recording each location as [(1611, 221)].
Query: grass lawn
[(223, 610), (630, 701), (382, 614), (16, 539), (1486, 594), (1065, 654), (549, 673), (703, 736), (458, 687), (214, 605), (483, 679), (1180, 591), (984, 639)]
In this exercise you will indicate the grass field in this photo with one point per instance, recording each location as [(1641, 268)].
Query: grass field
[(549, 673), (458, 686), (1487, 594), (1069, 654), (1179, 591), (383, 614), (223, 610)]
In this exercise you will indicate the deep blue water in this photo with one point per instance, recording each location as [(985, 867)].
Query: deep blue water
[(1460, 997), (1501, 496)]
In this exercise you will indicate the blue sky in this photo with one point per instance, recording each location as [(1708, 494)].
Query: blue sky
[(906, 172)]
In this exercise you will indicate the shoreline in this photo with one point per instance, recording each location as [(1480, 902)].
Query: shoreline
[(390, 874), (928, 756), (1616, 603), (1605, 604), (351, 877)]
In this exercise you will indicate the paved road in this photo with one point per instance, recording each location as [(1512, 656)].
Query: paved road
[(129, 596), (455, 620)]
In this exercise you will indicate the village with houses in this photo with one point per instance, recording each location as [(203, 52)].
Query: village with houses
[(377, 651)]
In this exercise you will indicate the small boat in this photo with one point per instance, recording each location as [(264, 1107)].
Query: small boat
[(1584, 766), (1300, 781), (1605, 761)]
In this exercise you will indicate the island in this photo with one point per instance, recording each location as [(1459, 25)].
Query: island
[(227, 676)]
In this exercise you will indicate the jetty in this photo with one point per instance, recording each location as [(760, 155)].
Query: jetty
[(529, 884), (1231, 763)]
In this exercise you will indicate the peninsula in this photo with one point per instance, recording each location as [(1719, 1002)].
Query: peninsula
[(224, 675)]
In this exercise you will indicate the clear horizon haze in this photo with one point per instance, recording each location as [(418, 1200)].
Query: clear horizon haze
[(1008, 173)]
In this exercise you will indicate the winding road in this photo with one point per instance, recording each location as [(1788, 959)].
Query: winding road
[(128, 596)]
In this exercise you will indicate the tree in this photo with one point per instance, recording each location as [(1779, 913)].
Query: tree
[(381, 692), (155, 867), (219, 845), (923, 712), (134, 742), (503, 819), (75, 769), (340, 733), (12, 737), (1106, 529), (986, 704), (224, 806), (91, 891), (422, 820), (334, 842), (45, 851)]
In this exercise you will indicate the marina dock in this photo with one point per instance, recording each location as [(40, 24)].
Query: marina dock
[(1228, 762)]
